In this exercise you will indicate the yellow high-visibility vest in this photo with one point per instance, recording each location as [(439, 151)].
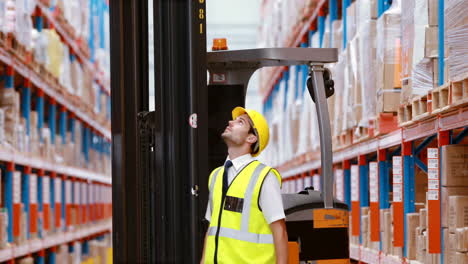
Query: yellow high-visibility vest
[(238, 231)]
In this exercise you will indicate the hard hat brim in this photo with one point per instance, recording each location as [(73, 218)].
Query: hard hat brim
[(238, 111)]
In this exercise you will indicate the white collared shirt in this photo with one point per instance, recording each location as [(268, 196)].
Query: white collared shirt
[(270, 195)]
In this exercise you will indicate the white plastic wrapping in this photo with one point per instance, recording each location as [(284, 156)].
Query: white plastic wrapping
[(65, 73), (351, 20), (367, 70), (339, 108), (423, 77), (419, 45), (389, 34), (388, 77), (456, 34)]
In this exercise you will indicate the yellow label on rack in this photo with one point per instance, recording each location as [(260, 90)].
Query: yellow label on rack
[(330, 218)]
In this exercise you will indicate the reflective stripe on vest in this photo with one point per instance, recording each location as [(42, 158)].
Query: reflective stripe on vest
[(213, 180), (241, 235)]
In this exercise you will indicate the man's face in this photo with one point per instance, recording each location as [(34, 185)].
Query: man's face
[(237, 131)]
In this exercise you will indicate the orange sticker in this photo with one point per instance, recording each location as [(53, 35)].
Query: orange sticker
[(331, 218)]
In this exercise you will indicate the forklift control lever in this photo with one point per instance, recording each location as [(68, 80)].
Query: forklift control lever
[(327, 81)]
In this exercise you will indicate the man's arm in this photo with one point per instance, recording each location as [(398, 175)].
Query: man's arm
[(280, 238), (202, 261)]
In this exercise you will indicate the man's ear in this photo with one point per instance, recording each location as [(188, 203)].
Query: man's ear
[(252, 139)]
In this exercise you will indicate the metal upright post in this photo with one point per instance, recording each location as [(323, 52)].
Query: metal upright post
[(408, 185), (318, 90), (25, 197), (347, 182)]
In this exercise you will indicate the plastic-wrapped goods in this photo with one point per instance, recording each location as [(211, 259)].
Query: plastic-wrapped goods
[(23, 22), (388, 81), (46, 145), (55, 52), (456, 36), (367, 44), (65, 72), (338, 76), (424, 76), (10, 103), (365, 10), (351, 20), (354, 60), (348, 95), (337, 36), (419, 44), (315, 41), (76, 73), (407, 37), (327, 42), (9, 17)]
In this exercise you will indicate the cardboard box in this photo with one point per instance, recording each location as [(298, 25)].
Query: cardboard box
[(461, 258), (462, 239), (431, 45), (421, 248), (449, 246), (412, 221), (454, 165), (446, 192), (423, 219), (387, 232), (374, 9), (458, 212), (388, 101), (433, 8)]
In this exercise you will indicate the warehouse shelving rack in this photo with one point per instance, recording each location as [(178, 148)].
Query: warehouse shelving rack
[(70, 187), (410, 143)]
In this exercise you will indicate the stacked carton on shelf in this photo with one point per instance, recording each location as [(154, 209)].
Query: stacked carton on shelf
[(419, 54), (388, 59)]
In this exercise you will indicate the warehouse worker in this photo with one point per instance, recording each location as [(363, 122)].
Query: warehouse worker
[(245, 208)]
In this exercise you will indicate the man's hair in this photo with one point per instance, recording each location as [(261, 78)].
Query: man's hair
[(254, 147)]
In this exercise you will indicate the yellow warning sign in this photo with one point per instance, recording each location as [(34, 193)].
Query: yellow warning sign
[(330, 218)]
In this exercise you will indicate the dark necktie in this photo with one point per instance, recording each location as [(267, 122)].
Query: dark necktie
[(227, 165)]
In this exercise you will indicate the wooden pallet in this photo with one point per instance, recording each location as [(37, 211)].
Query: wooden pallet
[(418, 109), (361, 134), (459, 91), (453, 94), (346, 138)]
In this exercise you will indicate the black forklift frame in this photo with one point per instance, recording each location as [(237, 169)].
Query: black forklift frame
[(151, 199)]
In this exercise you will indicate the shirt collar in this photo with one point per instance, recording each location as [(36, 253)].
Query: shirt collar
[(241, 161)]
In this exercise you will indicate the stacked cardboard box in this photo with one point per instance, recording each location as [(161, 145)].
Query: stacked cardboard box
[(388, 59), (3, 228), (363, 50), (386, 230), (10, 103), (456, 245), (454, 177)]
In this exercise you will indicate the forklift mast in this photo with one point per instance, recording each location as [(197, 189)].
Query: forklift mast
[(159, 157)]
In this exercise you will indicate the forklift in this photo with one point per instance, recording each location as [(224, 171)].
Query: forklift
[(161, 159)]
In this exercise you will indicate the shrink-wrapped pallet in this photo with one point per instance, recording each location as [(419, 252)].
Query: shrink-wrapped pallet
[(367, 70), (456, 37), (388, 82)]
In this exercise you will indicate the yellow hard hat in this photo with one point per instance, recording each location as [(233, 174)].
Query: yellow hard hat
[(260, 125)]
